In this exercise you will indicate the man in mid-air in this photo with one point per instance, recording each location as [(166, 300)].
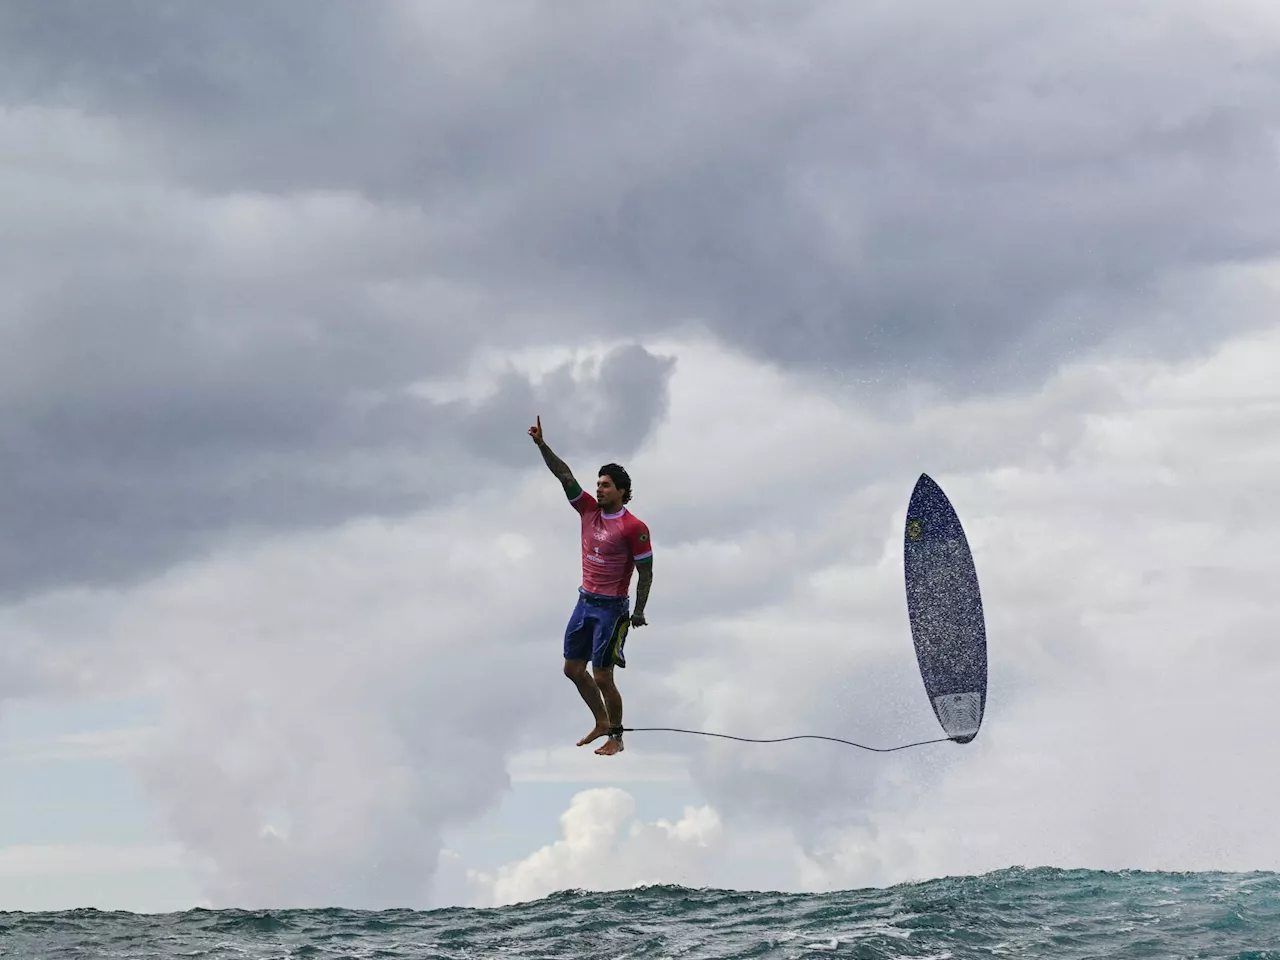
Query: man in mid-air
[(615, 543)]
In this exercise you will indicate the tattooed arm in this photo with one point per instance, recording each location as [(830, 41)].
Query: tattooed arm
[(644, 573), (557, 466)]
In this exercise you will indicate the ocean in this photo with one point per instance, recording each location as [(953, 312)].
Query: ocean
[(1016, 913)]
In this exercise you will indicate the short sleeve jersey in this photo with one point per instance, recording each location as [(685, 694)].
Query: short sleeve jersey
[(612, 545)]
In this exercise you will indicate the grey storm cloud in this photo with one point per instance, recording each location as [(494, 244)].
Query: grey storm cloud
[(870, 188), (611, 407), (901, 191), (106, 491)]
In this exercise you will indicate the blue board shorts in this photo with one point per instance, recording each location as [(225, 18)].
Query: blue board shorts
[(597, 630)]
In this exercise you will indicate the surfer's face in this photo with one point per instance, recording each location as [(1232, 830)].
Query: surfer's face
[(607, 495)]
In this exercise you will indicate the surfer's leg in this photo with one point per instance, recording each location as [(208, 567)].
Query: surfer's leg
[(613, 703), (576, 670), (579, 642), (605, 655), (609, 692)]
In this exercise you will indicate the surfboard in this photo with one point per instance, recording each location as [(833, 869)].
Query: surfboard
[(944, 605)]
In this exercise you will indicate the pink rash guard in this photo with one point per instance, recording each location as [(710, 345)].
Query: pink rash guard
[(612, 544)]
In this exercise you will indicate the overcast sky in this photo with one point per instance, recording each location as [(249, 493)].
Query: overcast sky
[(283, 580)]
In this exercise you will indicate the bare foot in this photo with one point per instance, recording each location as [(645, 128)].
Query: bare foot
[(610, 747), (601, 729)]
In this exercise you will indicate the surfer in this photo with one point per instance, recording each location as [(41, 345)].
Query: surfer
[(615, 543)]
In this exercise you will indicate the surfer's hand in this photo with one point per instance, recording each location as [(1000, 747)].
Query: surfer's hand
[(536, 431), (638, 620)]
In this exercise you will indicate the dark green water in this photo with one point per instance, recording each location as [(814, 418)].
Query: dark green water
[(1012, 913)]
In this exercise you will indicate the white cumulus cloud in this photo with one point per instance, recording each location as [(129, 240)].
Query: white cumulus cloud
[(603, 848)]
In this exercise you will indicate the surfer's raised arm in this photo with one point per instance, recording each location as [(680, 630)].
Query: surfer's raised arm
[(554, 463)]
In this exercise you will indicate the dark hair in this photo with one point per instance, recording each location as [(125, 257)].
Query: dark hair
[(619, 477)]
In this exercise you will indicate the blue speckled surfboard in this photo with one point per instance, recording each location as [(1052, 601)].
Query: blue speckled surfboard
[(945, 608)]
